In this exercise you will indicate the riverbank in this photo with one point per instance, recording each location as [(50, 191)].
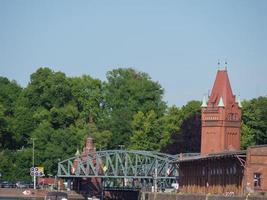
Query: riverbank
[(31, 193), (179, 196)]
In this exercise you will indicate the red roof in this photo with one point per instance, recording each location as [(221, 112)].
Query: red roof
[(46, 181), (221, 88)]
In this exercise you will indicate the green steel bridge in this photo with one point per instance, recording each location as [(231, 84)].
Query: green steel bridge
[(120, 164), (144, 166)]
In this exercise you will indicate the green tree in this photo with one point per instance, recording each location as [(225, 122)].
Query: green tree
[(254, 122), (63, 117), (125, 93), (147, 132), (7, 167), (48, 89), (171, 122), (5, 136), (187, 137), (102, 139), (247, 136), (9, 93), (53, 145), (88, 96), (23, 122)]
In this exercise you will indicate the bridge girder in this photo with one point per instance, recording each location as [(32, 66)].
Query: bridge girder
[(132, 164)]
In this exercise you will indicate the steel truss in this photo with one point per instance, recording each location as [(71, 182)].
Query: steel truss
[(127, 164)]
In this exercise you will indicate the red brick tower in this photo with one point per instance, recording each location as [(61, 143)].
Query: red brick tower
[(221, 117)]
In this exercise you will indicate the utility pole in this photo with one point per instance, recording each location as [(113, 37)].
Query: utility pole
[(34, 175), (156, 177), (121, 146)]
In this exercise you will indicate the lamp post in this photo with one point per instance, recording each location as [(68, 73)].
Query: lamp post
[(124, 183), (34, 175)]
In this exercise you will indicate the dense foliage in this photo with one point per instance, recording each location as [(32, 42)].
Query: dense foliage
[(254, 122), (127, 110)]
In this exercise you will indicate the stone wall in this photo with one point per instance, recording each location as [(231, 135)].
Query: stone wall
[(173, 196)]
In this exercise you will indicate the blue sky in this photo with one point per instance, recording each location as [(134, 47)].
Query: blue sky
[(178, 43)]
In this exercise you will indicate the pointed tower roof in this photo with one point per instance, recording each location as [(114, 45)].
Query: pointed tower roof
[(221, 90)]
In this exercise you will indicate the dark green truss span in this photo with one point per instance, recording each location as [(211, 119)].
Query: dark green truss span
[(120, 164)]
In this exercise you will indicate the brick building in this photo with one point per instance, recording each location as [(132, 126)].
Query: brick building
[(220, 117), (255, 178), (221, 167), (90, 186)]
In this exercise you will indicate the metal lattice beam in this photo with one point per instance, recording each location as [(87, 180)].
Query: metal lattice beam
[(120, 164)]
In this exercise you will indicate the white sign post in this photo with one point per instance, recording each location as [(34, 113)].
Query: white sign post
[(36, 171), (33, 171)]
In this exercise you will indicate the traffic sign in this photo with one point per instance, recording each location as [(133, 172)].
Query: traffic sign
[(37, 171), (40, 169)]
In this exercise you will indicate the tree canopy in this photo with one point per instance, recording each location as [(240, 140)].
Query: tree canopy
[(127, 110), (127, 92), (254, 122)]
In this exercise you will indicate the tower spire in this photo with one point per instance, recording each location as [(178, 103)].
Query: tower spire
[(220, 120), (221, 88)]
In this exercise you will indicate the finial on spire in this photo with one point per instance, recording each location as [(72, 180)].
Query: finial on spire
[(225, 63), (218, 63), (204, 102)]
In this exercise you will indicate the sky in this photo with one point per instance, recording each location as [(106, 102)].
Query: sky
[(178, 43)]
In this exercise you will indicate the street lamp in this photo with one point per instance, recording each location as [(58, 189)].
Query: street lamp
[(34, 175)]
